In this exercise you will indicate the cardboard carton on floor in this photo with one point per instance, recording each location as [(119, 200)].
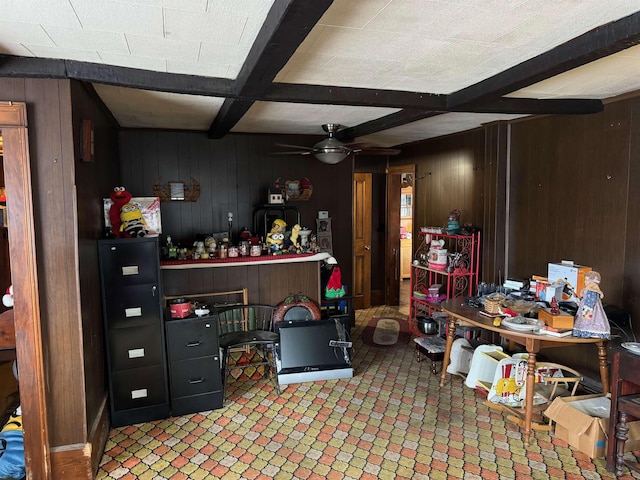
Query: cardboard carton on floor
[(583, 422)]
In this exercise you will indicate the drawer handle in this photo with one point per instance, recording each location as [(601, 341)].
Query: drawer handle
[(141, 393), (193, 344), (194, 381), (130, 270), (136, 353), (133, 312)]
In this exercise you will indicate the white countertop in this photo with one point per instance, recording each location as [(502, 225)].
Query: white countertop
[(244, 261)]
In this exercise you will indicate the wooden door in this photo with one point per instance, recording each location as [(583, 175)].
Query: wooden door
[(362, 183), (29, 351), (392, 242)]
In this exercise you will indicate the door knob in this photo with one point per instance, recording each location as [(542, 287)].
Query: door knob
[(367, 247)]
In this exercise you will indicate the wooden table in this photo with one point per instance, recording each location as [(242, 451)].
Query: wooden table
[(625, 380), (458, 311)]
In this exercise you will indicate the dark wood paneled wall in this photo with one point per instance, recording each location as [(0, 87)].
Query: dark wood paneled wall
[(569, 194), (91, 179), (451, 173), (543, 190), (68, 221), (571, 199), (234, 174)]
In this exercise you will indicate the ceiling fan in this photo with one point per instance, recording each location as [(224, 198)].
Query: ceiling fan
[(331, 150)]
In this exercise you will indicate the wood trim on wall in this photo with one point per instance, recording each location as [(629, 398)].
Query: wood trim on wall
[(29, 352)]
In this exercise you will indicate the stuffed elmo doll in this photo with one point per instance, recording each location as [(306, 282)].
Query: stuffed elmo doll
[(119, 197)]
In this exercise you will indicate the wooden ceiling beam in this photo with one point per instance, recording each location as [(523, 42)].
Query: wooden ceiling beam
[(384, 123), (588, 47), (363, 97), (11, 66), (287, 25), (27, 67)]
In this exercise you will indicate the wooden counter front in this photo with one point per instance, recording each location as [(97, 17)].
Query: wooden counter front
[(269, 279)]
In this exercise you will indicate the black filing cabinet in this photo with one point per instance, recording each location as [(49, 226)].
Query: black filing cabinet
[(134, 330), (194, 364)]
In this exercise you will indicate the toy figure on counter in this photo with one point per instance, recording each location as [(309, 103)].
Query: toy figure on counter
[(453, 222), (200, 252), (275, 238), (133, 224), (119, 197), (171, 250), (591, 321), (293, 243), (211, 246)]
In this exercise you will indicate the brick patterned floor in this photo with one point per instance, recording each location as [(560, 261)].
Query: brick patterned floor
[(390, 421)]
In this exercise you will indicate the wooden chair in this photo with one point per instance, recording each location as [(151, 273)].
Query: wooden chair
[(553, 380), (247, 326)]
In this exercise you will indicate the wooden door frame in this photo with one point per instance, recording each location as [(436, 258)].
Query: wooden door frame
[(364, 300), (391, 224), (22, 248)]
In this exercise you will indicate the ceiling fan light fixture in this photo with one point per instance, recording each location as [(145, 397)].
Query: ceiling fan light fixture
[(330, 151), (331, 158)]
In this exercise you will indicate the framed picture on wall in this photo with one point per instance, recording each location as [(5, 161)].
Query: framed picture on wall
[(324, 225), (150, 208), (325, 242)]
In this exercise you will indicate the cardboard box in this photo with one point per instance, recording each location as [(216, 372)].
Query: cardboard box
[(571, 275), (583, 422), (553, 290), (561, 320)]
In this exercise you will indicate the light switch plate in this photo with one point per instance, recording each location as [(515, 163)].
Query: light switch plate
[(323, 214)]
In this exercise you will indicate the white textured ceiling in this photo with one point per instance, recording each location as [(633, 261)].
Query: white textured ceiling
[(436, 47)]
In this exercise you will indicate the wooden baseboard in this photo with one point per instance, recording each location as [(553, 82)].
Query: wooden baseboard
[(80, 461)]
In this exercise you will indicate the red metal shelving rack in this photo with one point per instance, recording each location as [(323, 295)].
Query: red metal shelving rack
[(459, 283)]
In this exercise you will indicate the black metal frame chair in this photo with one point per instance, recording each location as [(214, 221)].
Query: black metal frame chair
[(247, 326)]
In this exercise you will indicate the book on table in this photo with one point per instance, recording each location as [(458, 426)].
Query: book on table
[(556, 332)]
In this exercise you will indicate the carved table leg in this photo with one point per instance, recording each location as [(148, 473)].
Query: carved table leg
[(621, 439), (604, 367), (451, 334)]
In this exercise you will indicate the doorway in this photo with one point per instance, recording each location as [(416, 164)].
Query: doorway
[(399, 242), (26, 308)]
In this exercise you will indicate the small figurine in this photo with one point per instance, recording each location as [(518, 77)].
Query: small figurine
[(590, 320), (275, 238), (133, 224), (199, 251), (172, 251), (210, 245), (453, 222), (555, 308), (294, 238)]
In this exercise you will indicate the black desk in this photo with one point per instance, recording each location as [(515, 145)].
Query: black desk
[(625, 380)]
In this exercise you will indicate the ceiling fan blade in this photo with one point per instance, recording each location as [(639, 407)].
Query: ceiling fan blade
[(292, 152), (372, 149), (293, 146)]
